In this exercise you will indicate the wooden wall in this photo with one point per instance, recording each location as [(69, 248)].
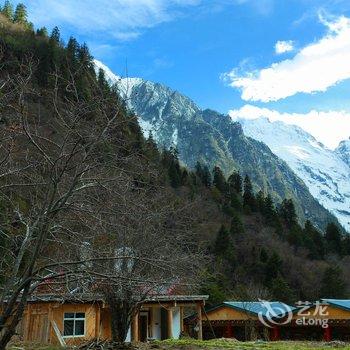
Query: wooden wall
[(224, 313), (331, 313), (37, 323)]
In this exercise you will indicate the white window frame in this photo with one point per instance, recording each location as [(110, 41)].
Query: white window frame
[(74, 318)]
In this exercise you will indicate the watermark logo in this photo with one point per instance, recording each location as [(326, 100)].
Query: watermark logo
[(305, 314), (275, 314), (312, 316)]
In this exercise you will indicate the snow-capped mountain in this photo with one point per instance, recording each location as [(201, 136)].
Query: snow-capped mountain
[(324, 171), (213, 139), (343, 151)]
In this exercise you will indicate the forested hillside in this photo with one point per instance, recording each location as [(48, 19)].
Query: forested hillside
[(215, 140), (251, 248)]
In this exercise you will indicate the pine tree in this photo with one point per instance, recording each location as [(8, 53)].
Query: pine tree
[(333, 284), (7, 10), (222, 241), (84, 56), (207, 180), (223, 246), (152, 149), (219, 180), (204, 174), (42, 32), (282, 291), (237, 227), (260, 201), (20, 15), (273, 267), (333, 238), (269, 210), (248, 195), (235, 182), (288, 213), (236, 201), (72, 50), (55, 35), (174, 170)]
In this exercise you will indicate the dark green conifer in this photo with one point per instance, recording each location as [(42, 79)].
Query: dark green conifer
[(219, 180), (7, 10), (42, 32), (333, 238), (333, 284), (288, 213), (237, 227), (248, 195), (235, 182), (55, 35), (20, 15), (282, 291)]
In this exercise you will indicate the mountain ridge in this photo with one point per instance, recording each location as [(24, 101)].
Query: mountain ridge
[(324, 171), (213, 139)]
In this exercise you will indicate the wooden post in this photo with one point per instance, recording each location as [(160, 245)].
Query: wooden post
[(135, 328), (200, 322), (275, 333), (229, 330), (151, 322), (182, 319), (98, 322), (327, 334), (170, 322), (26, 336)]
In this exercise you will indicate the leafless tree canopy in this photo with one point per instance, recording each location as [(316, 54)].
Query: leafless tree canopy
[(81, 208)]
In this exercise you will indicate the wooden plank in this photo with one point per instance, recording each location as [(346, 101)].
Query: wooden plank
[(199, 317), (170, 322), (181, 319), (135, 328), (58, 334), (98, 322)]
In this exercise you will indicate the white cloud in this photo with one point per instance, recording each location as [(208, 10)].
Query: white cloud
[(284, 46), (314, 68), (329, 127), (119, 18)]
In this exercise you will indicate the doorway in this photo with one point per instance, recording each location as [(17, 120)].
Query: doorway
[(143, 320)]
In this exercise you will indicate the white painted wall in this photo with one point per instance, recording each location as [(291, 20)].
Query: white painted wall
[(128, 337), (176, 323), (156, 326)]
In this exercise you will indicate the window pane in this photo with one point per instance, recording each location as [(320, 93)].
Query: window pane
[(79, 327), (69, 315), (68, 328), (80, 315)]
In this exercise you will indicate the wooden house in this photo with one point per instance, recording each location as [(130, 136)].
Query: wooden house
[(238, 319), (73, 319), (327, 319)]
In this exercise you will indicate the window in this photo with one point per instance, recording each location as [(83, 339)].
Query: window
[(74, 324)]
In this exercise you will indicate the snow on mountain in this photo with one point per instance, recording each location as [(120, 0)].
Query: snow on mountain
[(324, 171), (343, 151), (214, 140)]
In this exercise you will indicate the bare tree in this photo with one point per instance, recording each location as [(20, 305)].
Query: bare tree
[(248, 293), (75, 198)]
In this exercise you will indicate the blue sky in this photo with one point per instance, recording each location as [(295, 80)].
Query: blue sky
[(222, 53)]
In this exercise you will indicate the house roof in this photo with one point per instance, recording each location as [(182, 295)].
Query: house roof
[(89, 297), (267, 309), (261, 307), (339, 303)]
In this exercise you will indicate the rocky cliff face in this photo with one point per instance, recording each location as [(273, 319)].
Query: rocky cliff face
[(343, 151), (214, 139), (325, 172)]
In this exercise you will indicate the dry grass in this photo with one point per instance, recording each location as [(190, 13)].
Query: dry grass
[(217, 344)]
